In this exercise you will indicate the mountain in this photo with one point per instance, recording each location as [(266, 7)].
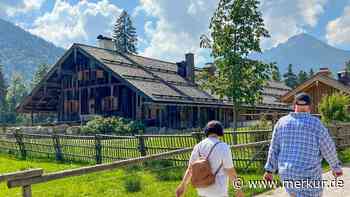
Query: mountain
[(22, 52), (305, 52)]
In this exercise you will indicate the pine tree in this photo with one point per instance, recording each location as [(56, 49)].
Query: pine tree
[(39, 74), (276, 75), (16, 93), (290, 79), (347, 65), (302, 77), (311, 73), (124, 34), (3, 90)]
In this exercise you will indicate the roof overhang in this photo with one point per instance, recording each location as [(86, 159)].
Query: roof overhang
[(289, 97)]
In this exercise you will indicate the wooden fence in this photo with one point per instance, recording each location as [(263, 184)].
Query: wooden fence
[(26, 179), (107, 148)]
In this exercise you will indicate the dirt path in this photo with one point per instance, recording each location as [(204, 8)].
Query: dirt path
[(328, 192)]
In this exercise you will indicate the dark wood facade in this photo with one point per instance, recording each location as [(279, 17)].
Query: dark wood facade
[(90, 81)]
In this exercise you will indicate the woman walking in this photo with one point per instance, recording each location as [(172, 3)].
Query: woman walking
[(210, 168)]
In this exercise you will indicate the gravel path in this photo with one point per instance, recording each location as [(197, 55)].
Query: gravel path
[(328, 192)]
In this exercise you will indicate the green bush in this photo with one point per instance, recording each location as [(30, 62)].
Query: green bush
[(112, 125), (132, 183), (170, 175), (334, 108)]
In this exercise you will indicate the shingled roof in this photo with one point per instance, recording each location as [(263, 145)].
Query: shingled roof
[(155, 78), (272, 93)]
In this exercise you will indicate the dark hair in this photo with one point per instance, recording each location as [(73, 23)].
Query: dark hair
[(214, 127)]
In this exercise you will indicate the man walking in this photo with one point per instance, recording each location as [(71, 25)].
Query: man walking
[(217, 155), (299, 143)]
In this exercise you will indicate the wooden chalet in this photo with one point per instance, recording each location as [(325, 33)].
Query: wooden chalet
[(320, 85), (89, 80)]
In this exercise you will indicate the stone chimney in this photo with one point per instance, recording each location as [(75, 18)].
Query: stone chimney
[(189, 66), (325, 72), (186, 68), (344, 77), (105, 42)]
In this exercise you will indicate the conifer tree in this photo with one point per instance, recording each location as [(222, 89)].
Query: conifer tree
[(2, 87), (290, 79), (124, 34), (276, 75), (311, 73), (39, 74), (3, 90), (302, 77)]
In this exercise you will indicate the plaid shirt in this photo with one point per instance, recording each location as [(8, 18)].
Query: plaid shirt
[(299, 143)]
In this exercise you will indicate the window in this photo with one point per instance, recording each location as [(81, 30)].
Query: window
[(92, 106), (110, 103), (149, 113), (138, 100), (99, 74)]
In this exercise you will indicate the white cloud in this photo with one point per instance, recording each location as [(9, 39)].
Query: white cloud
[(338, 30), (81, 22), (14, 7), (179, 24), (177, 29), (286, 18)]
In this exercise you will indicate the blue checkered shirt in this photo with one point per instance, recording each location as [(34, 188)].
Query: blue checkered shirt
[(299, 143)]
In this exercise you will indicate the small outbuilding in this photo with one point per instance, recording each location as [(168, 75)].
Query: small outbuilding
[(320, 85)]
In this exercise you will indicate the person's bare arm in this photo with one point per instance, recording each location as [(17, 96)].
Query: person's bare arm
[(185, 181), (233, 177)]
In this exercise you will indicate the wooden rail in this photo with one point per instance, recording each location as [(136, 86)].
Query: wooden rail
[(26, 179), (107, 148)]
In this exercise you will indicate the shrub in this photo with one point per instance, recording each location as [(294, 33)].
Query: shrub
[(334, 108), (112, 125), (132, 183), (170, 175), (156, 164)]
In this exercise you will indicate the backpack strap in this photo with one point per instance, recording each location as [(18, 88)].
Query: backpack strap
[(217, 171), (212, 148)]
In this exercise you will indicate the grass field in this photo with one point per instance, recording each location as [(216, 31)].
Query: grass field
[(107, 184)]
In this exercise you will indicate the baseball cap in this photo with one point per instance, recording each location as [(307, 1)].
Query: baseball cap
[(302, 99)]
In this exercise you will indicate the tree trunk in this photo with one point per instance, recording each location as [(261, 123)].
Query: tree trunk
[(235, 116), (235, 123)]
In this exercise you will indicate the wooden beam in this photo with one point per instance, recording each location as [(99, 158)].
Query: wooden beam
[(21, 174), (27, 191), (96, 86), (90, 169)]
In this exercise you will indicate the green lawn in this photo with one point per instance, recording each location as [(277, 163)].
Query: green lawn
[(110, 183), (107, 184)]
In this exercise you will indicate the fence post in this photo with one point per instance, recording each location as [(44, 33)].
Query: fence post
[(142, 146), (197, 136), (98, 147), (57, 146), (19, 140), (234, 137), (27, 191)]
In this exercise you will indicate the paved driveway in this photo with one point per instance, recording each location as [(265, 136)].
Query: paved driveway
[(328, 192)]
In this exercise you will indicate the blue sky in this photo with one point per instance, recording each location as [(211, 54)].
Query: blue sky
[(168, 29)]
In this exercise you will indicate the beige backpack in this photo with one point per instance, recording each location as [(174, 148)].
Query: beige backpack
[(201, 171)]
